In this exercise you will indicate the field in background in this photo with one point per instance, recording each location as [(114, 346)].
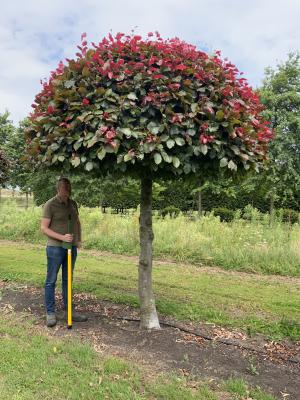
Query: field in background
[(250, 246)]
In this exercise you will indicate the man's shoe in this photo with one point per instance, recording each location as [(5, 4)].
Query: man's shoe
[(51, 320), (77, 317)]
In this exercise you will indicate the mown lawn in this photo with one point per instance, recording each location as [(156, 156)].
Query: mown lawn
[(251, 302), (35, 366)]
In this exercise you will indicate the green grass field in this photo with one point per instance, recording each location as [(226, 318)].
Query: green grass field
[(251, 302), (35, 366), (240, 245)]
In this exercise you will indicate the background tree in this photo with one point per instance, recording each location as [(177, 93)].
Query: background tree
[(280, 94), (6, 130), (4, 168), (149, 109)]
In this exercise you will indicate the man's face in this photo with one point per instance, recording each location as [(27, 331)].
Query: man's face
[(64, 190)]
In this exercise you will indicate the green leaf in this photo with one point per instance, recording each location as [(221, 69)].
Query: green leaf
[(235, 149), (127, 157), (232, 166), (125, 131), (174, 130), (219, 115), (170, 143), (75, 161), (191, 132), (77, 144), (101, 154), (92, 141), (61, 158), (69, 84), (223, 162), (176, 161), (85, 71), (167, 158), (180, 141), (164, 137), (196, 150), (132, 96), (194, 107), (157, 158), (153, 127), (89, 166), (54, 146), (203, 148), (187, 168)]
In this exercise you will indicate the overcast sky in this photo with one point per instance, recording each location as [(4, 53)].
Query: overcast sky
[(36, 34)]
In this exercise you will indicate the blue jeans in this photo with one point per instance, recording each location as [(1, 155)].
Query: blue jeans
[(56, 257)]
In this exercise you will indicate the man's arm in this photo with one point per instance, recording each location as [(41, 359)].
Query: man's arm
[(54, 235)]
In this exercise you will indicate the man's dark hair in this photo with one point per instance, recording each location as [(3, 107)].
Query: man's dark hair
[(61, 180)]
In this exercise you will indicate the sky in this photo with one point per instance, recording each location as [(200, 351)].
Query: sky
[(36, 34)]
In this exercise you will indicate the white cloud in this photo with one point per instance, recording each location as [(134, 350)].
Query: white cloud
[(35, 35)]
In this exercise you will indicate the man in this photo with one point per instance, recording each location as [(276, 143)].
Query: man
[(59, 214)]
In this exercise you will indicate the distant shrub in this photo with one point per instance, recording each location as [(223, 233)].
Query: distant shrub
[(172, 211), (290, 216), (251, 213), (225, 214)]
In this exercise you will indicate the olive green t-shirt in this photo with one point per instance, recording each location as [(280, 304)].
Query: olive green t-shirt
[(59, 213)]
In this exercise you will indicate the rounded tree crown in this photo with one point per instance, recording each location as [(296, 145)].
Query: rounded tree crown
[(130, 104)]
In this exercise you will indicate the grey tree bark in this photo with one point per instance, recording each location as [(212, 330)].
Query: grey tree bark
[(199, 204), (149, 318)]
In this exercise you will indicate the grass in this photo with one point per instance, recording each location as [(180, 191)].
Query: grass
[(240, 245), (239, 388), (250, 302), (35, 366)]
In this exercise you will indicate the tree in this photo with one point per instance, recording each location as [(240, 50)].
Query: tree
[(4, 168), (149, 109), (13, 144), (6, 130), (281, 96)]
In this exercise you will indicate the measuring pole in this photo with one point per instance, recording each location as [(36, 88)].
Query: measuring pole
[(69, 288)]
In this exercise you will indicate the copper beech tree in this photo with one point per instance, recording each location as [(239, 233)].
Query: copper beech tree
[(149, 108)]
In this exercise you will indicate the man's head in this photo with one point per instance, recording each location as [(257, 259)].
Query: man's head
[(63, 187)]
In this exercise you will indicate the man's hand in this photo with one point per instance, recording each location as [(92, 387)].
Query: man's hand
[(67, 238)]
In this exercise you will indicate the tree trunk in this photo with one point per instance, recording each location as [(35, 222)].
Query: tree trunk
[(199, 204), (271, 209), (26, 200), (149, 319)]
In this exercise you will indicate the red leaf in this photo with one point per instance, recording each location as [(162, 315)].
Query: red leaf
[(180, 67)]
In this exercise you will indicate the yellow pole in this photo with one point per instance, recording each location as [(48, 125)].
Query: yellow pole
[(69, 288)]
